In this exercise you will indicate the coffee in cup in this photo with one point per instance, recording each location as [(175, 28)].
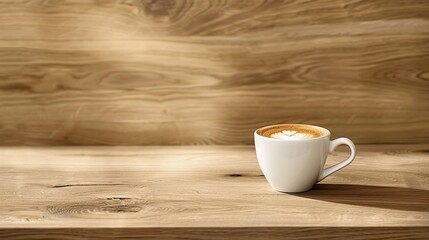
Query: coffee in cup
[(292, 156), (291, 132)]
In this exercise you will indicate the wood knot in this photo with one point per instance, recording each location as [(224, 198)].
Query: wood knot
[(234, 175), (157, 8), (118, 198)]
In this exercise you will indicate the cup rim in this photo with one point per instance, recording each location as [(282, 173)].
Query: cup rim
[(326, 131)]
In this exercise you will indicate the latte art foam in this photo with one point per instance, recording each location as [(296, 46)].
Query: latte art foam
[(292, 135), (292, 132)]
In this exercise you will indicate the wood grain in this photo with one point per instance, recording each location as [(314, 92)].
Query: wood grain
[(210, 72), (211, 188), (262, 233)]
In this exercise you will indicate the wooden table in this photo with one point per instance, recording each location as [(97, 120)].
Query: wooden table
[(207, 192)]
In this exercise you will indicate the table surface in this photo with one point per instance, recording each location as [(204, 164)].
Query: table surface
[(206, 187)]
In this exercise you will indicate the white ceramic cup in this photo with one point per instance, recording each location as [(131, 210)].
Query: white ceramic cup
[(296, 165)]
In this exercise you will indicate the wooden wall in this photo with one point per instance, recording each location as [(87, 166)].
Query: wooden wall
[(211, 71)]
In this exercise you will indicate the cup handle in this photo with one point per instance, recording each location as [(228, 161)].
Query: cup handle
[(333, 144)]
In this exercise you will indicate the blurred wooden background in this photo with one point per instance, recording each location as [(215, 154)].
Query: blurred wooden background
[(211, 71)]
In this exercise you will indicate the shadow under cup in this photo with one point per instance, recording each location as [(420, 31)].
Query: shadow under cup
[(292, 165)]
